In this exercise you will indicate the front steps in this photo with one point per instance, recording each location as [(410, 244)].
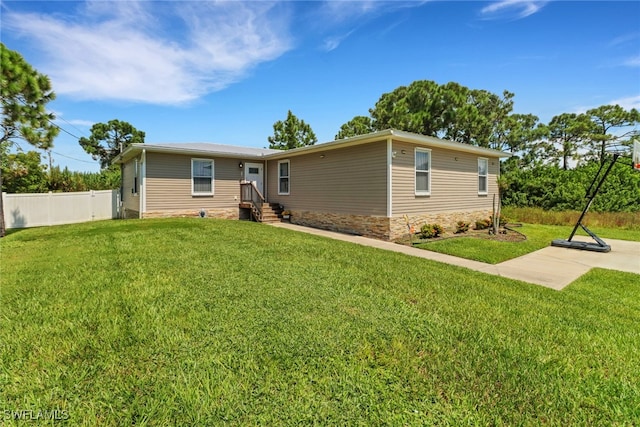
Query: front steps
[(271, 212)]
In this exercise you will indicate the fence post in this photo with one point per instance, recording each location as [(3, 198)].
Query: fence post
[(49, 203), (92, 205), (4, 205)]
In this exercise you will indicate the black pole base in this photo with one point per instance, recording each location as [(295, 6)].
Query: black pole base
[(584, 246)]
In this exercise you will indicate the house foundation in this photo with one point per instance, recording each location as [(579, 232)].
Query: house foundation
[(363, 225), (228, 213), (448, 220), (382, 227)]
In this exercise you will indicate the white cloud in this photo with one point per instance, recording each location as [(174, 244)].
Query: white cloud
[(80, 122), (342, 18), (347, 10), (626, 39), (512, 9), (332, 42), (628, 102), (158, 53), (633, 61)]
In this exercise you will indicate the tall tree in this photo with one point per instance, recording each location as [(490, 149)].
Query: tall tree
[(24, 94), (605, 120), (450, 111), (359, 125), (516, 132), (475, 116), (566, 136), (109, 139), (418, 108), (291, 133)]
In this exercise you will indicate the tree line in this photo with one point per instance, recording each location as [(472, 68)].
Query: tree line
[(23, 172), (481, 118), (24, 95), (552, 164)]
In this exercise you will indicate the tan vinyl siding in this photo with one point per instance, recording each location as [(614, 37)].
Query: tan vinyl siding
[(129, 200), (349, 180), (454, 182), (168, 183)]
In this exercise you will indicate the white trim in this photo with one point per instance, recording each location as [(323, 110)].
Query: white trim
[(483, 193), (389, 177), (266, 181), (143, 182), (288, 177), (213, 174), (260, 166), (415, 172), (396, 135)]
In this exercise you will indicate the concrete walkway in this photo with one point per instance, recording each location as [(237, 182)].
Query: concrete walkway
[(552, 267)]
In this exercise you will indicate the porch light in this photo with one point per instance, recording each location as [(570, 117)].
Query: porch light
[(240, 165)]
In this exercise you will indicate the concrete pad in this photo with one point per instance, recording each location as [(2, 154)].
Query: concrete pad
[(553, 267), (542, 268)]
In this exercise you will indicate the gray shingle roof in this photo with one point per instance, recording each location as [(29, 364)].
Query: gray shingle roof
[(213, 148)]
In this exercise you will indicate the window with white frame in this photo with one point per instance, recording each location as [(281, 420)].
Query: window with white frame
[(483, 172), (423, 171), (201, 177), (283, 177)]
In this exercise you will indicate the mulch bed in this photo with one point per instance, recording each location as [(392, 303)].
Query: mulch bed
[(504, 235)]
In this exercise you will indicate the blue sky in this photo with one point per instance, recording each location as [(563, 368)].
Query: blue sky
[(197, 71)]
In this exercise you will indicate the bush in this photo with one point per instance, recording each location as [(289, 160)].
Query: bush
[(483, 224), (462, 227), (429, 231), (553, 189)]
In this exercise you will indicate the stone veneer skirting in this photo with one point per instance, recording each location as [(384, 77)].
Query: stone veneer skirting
[(229, 213), (370, 226), (382, 227), (448, 220)]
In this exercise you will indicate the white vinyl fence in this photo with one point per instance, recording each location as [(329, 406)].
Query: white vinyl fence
[(35, 210)]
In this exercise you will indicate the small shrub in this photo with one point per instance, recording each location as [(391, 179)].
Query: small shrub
[(462, 227), (483, 224), (429, 231)]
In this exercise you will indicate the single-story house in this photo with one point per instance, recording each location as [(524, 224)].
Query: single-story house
[(365, 185)]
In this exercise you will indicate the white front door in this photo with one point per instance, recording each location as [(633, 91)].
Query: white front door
[(254, 172)]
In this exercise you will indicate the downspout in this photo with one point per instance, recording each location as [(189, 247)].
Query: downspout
[(389, 177), (121, 202), (143, 183)]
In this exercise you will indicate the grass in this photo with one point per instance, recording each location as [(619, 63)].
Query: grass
[(205, 322), (610, 220), (538, 237)]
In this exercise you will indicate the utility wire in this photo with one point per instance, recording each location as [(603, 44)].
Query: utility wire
[(68, 133), (72, 158), (70, 124)]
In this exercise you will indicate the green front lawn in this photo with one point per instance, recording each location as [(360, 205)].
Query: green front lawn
[(538, 237), (205, 322)]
